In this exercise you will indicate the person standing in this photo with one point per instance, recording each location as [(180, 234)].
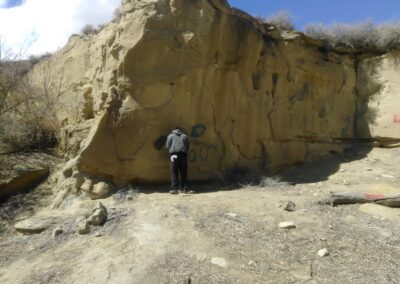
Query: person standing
[(178, 147)]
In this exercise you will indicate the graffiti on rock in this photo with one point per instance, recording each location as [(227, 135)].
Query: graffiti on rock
[(198, 130), (159, 143), (200, 151)]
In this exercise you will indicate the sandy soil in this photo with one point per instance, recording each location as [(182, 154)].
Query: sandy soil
[(221, 234)]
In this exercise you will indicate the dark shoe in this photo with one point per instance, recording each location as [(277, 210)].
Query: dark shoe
[(173, 191)]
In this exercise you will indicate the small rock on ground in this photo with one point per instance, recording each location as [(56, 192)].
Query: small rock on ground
[(323, 252), (287, 206), (219, 261), (287, 225), (83, 227), (231, 215), (99, 216)]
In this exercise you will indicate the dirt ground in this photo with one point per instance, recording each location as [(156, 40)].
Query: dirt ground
[(221, 234)]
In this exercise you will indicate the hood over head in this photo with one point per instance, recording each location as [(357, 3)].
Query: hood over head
[(177, 131)]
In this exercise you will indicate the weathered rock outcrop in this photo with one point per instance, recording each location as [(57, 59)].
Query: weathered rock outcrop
[(379, 92), (21, 172), (251, 98)]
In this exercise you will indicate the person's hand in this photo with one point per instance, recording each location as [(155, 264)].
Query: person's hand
[(173, 158)]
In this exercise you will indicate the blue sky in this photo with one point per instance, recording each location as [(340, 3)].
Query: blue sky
[(10, 3), (324, 11)]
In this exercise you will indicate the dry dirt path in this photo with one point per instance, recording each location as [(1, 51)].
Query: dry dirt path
[(226, 236)]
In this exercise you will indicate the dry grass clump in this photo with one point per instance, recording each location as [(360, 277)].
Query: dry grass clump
[(364, 35), (275, 182)]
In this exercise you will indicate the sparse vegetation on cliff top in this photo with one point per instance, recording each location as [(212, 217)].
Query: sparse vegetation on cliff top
[(364, 35)]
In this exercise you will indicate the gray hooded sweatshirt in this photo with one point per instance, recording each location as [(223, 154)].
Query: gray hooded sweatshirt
[(177, 142)]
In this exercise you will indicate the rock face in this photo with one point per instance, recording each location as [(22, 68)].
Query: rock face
[(251, 98), (379, 86), (21, 172)]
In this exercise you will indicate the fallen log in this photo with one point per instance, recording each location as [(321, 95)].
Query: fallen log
[(337, 198)]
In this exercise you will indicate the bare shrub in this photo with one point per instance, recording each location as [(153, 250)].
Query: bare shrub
[(34, 59), (88, 30), (364, 35), (282, 20), (117, 15), (389, 36), (27, 113)]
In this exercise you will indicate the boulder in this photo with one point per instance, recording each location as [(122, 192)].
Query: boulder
[(21, 172), (96, 190), (249, 98)]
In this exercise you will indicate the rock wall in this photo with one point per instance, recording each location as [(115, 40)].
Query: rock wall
[(379, 87), (251, 98)]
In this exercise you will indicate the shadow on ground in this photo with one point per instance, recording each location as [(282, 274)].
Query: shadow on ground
[(320, 170), (309, 172)]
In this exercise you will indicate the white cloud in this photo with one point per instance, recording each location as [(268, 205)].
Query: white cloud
[(45, 25)]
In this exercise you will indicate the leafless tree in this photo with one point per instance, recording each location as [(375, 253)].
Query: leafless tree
[(27, 111)]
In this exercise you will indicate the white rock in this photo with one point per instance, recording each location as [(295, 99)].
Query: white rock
[(231, 215), (219, 261), (388, 176), (287, 225), (252, 263), (323, 252)]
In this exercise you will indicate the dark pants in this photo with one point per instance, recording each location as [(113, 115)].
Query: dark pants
[(179, 165)]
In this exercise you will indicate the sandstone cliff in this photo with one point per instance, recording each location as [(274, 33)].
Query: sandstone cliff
[(379, 93), (250, 97)]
